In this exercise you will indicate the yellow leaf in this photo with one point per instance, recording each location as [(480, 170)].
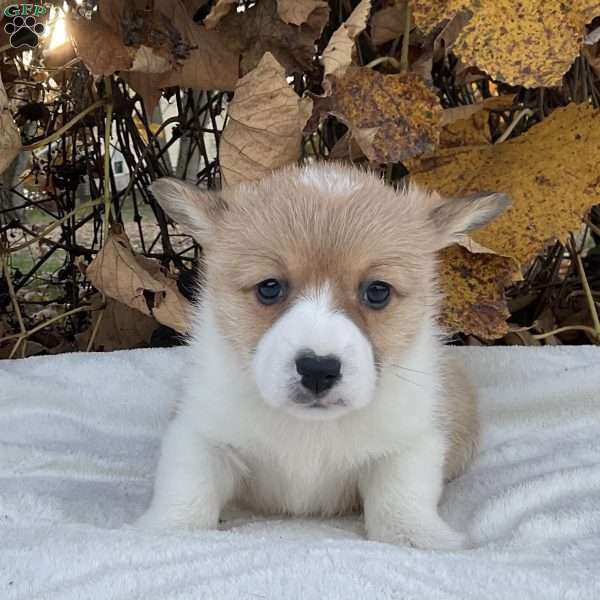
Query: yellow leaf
[(529, 43), (523, 42), (264, 128), (138, 282), (551, 173), (337, 55), (473, 287), (10, 138), (393, 117), (429, 13), (296, 12)]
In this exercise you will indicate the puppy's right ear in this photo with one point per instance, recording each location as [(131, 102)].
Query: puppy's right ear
[(196, 211)]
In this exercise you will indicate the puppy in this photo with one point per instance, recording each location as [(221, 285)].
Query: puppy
[(317, 383)]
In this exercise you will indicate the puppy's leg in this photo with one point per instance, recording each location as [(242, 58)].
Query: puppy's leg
[(194, 481), (400, 497)]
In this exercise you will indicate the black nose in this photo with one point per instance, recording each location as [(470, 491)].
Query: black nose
[(319, 373)]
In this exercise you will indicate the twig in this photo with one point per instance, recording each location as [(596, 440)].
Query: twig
[(45, 324), (13, 298), (586, 288), (383, 59), (541, 336), (54, 225), (95, 329), (526, 112), (405, 40), (107, 136), (59, 132)]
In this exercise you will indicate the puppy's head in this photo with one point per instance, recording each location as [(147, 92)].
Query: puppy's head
[(321, 276)]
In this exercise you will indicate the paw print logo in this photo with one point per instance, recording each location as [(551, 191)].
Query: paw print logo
[(24, 31)]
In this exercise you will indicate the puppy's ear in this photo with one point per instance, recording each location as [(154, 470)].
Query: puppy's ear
[(196, 211), (453, 218)]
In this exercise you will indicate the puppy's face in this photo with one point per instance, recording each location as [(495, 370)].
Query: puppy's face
[(320, 277)]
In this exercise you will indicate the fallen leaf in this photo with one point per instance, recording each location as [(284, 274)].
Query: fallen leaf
[(259, 29), (337, 56), (527, 43), (392, 117), (138, 282), (550, 172), (264, 127), (100, 48), (10, 138), (445, 39), (169, 49), (296, 12), (388, 23), (120, 328), (473, 287), (430, 13), (218, 11)]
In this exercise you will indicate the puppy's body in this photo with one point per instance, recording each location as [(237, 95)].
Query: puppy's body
[(254, 427)]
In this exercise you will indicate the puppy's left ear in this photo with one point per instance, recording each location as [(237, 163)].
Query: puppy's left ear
[(198, 212), (453, 218)]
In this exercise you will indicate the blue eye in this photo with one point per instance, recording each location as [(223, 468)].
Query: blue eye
[(376, 294), (270, 291)]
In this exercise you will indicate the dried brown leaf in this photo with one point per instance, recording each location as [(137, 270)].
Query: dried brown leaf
[(296, 12), (138, 282), (388, 23), (100, 48), (393, 117), (264, 129), (201, 59), (337, 56), (10, 138), (260, 29), (120, 328), (473, 287), (218, 11), (550, 172)]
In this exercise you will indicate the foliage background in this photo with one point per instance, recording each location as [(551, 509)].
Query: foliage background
[(460, 95)]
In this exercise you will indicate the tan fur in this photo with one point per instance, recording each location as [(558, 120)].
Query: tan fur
[(338, 227), (290, 232)]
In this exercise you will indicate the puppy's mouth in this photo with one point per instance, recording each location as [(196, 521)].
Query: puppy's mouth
[(308, 402), (320, 405)]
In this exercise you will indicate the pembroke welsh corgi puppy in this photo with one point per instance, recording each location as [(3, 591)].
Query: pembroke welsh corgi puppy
[(317, 382)]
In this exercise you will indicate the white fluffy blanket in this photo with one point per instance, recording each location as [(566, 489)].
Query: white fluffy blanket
[(79, 439)]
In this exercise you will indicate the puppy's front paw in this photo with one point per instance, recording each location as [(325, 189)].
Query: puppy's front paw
[(431, 534)]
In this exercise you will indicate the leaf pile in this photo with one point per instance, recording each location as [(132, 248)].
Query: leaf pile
[(460, 96)]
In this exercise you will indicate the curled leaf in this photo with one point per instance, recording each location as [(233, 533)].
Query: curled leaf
[(337, 55), (138, 282)]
